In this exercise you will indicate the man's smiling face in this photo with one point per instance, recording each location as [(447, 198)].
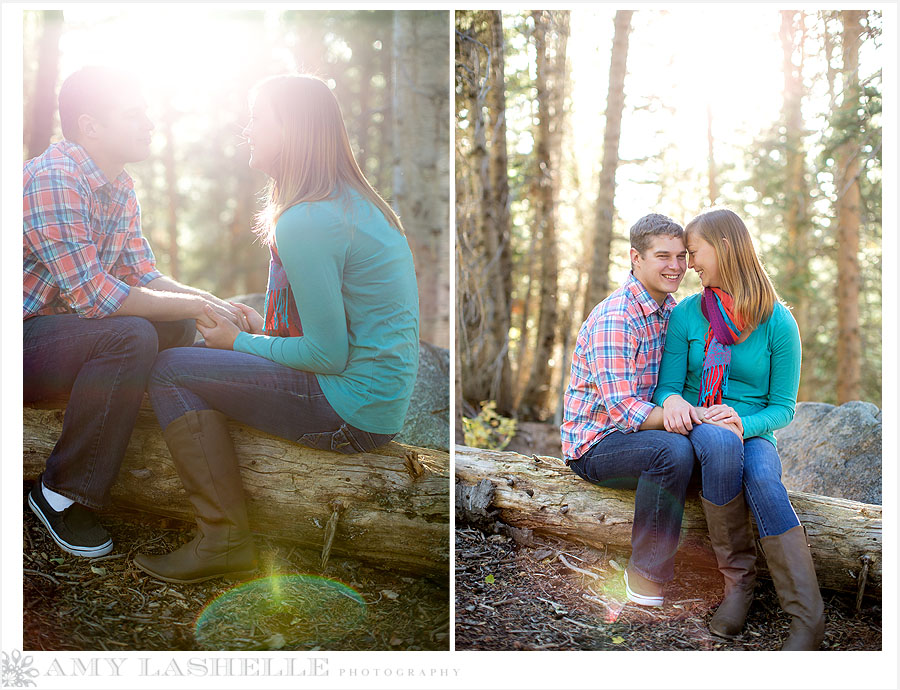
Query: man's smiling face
[(661, 267)]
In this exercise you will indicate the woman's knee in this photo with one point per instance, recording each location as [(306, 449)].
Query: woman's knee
[(169, 367), (717, 445)]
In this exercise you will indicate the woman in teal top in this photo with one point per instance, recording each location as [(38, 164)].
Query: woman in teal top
[(333, 361), (732, 357)]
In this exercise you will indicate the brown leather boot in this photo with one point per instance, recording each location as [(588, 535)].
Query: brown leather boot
[(735, 549), (792, 570), (204, 458)]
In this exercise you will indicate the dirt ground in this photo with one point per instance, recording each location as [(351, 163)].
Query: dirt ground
[(557, 596), (106, 603)]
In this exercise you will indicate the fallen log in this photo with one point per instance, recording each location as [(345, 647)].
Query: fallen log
[(541, 494), (389, 507)]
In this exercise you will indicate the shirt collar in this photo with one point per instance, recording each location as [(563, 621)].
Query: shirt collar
[(95, 176), (647, 304)]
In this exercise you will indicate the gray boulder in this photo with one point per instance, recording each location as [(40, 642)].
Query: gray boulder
[(427, 423), (833, 451)]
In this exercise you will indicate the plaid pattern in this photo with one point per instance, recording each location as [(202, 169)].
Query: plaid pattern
[(614, 367), (82, 243)]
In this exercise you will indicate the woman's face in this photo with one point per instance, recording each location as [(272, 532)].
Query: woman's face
[(264, 135), (702, 258)]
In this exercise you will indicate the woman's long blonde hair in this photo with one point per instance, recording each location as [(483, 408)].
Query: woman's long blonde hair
[(316, 160), (742, 273)]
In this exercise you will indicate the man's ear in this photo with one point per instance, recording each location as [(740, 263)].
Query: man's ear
[(635, 255), (87, 126)]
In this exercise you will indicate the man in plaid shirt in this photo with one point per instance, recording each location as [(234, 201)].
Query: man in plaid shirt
[(95, 309), (612, 434)]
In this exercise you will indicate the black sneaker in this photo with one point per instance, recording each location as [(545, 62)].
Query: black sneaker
[(75, 529)]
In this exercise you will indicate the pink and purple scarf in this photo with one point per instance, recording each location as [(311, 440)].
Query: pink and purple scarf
[(282, 317), (724, 330)]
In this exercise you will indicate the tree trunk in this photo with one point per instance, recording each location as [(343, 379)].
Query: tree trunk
[(393, 503), (498, 225), (171, 188), (420, 98), (796, 215), (711, 160), (543, 495), (847, 164), (534, 399), (598, 275), (43, 103)]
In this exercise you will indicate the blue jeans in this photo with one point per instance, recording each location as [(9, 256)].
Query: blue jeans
[(657, 465), (252, 390), (721, 456), (763, 490), (103, 365)]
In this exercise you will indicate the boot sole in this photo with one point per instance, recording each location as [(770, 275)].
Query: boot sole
[(236, 575)]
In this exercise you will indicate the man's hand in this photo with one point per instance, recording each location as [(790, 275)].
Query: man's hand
[(679, 416), (221, 334), (254, 320)]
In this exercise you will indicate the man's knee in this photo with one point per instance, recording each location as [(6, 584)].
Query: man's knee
[(676, 455), (132, 336)]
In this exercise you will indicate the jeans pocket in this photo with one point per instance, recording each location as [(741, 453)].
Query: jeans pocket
[(337, 441)]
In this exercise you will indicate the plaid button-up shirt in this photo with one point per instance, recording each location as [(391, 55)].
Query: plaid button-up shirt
[(82, 245), (614, 367)]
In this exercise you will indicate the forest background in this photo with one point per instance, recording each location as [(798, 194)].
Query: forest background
[(198, 196), (573, 124)]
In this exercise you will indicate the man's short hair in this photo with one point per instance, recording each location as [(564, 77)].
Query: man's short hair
[(650, 226), (91, 90)]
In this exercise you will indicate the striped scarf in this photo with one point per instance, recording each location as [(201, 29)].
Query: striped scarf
[(282, 318), (724, 331)]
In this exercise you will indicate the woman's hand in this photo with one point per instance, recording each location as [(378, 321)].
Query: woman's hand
[(254, 320), (221, 334), (679, 416), (723, 414), (737, 428)]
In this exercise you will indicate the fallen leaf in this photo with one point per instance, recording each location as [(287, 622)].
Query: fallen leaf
[(489, 579), (396, 642), (58, 561), (615, 565), (275, 642), (617, 640), (389, 594), (97, 570)]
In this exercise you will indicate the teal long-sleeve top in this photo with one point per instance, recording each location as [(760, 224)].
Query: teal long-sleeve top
[(764, 373), (354, 283)]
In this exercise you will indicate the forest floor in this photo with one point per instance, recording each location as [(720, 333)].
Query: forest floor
[(560, 596), (106, 603), (512, 597)]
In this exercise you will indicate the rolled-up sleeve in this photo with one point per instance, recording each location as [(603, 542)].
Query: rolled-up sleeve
[(56, 217), (611, 361), (136, 265)]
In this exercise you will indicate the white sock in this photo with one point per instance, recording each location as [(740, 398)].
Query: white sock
[(57, 501)]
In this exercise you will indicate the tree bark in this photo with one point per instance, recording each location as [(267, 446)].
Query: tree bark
[(534, 399), (598, 275), (43, 103), (847, 164), (543, 495), (421, 167), (393, 503)]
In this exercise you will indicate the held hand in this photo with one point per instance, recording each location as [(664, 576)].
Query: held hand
[(737, 428), (679, 416), (255, 322), (221, 334), (723, 414), (229, 311)]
